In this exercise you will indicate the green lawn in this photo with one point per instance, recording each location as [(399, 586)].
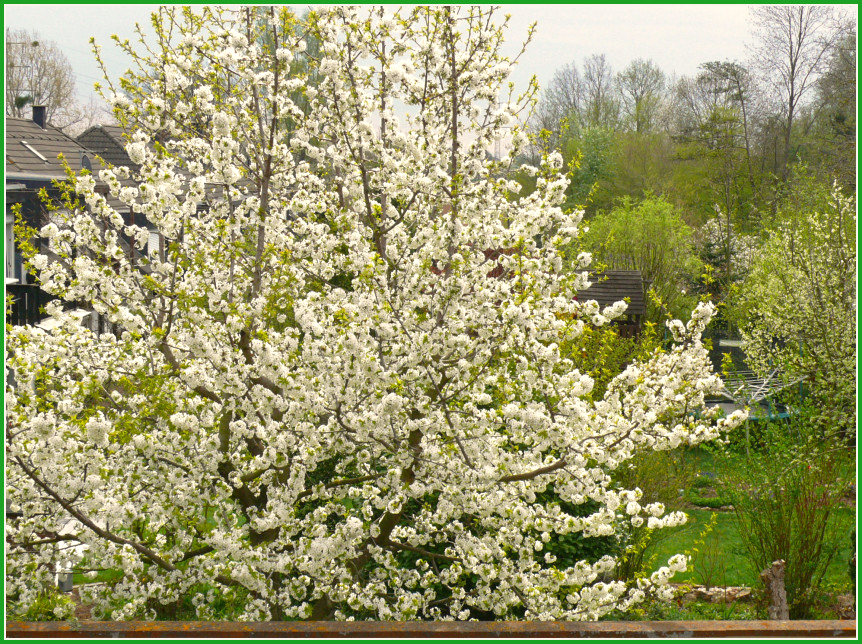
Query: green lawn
[(720, 560)]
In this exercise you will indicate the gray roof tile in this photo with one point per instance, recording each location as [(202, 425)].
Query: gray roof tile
[(32, 150)]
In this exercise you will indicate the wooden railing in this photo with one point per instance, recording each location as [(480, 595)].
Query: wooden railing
[(27, 300), (454, 630)]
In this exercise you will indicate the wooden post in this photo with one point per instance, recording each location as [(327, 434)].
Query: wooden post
[(773, 579)]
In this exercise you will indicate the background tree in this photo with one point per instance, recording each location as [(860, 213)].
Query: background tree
[(646, 163), (641, 85), (733, 86), (713, 240), (590, 150), (38, 73), (318, 404), (794, 46), (712, 122)]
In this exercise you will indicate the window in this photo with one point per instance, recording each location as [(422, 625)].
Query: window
[(12, 275), (153, 243), (33, 150)]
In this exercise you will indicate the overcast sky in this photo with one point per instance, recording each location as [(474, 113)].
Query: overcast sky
[(677, 37)]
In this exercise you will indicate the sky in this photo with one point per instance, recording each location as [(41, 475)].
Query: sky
[(676, 37)]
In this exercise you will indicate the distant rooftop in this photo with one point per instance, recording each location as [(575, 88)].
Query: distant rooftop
[(108, 141), (33, 150)]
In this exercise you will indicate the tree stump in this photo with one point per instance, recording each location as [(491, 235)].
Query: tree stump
[(773, 579)]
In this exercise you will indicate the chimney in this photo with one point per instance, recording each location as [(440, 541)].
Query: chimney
[(39, 115)]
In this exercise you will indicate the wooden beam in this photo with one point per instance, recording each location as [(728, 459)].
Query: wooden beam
[(203, 630)]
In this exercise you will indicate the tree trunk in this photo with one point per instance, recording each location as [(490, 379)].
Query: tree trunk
[(773, 579)]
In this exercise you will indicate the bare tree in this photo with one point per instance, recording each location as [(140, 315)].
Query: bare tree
[(575, 101), (601, 105), (39, 73), (641, 85), (561, 100), (79, 116), (565, 93), (793, 49)]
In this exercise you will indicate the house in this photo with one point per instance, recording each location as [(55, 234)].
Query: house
[(33, 148), (32, 163)]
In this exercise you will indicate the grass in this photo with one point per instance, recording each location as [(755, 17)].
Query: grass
[(720, 557), (101, 577), (717, 556), (695, 611), (720, 560), (724, 550)]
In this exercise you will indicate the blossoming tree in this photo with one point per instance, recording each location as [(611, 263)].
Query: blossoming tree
[(316, 400), (797, 306)]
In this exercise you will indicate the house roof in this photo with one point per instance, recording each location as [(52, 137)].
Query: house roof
[(32, 151), (32, 159), (612, 286), (108, 141)]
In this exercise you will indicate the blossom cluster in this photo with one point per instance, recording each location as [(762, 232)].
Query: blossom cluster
[(719, 243)]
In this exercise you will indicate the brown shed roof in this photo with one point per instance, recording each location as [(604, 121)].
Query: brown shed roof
[(612, 286)]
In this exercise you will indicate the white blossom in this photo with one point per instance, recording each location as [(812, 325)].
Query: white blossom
[(337, 387)]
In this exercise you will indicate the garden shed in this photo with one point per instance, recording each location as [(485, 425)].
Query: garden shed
[(607, 287)]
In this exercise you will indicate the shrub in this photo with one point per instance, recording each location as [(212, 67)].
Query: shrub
[(651, 237), (785, 496), (797, 307)]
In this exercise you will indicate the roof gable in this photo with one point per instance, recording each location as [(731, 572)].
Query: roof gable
[(109, 143)]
